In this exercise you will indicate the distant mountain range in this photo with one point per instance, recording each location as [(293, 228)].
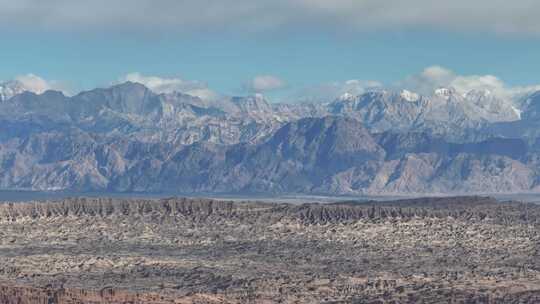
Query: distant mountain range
[(128, 138)]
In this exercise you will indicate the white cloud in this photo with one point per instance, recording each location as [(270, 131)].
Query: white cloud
[(28, 83), (34, 83), (424, 83), (521, 91), (265, 83), (169, 85), (501, 16), (435, 77), (332, 90)]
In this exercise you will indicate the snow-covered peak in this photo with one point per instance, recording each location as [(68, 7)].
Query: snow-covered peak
[(409, 96), (477, 94), (346, 96), (11, 88), (252, 104), (26, 83), (444, 92)]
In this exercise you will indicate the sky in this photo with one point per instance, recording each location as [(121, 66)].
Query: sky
[(286, 49)]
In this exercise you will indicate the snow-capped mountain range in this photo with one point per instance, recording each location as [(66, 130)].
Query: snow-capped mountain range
[(128, 138)]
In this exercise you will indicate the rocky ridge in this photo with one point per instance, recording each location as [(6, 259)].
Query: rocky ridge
[(128, 138)]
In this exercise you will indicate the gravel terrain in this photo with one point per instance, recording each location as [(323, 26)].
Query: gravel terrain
[(438, 250)]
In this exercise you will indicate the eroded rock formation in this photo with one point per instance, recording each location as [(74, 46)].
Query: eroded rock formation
[(445, 250)]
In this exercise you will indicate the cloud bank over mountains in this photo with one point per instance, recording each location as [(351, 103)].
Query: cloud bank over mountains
[(34, 83), (496, 16), (264, 83), (424, 83), (171, 84), (30, 83), (435, 77), (334, 89)]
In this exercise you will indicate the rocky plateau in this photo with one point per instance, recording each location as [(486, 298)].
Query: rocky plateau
[(431, 250)]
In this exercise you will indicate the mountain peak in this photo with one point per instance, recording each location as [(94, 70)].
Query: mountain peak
[(444, 92), (53, 93), (478, 93), (531, 107), (346, 96), (130, 85), (11, 88), (409, 96), (254, 103)]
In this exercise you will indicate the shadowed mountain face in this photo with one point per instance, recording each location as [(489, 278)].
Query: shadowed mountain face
[(399, 144), (327, 144), (128, 138), (531, 107)]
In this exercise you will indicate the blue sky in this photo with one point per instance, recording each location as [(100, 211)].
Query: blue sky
[(226, 54)]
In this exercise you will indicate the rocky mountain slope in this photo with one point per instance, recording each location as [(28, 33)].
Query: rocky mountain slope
[(128, 138), (463, 250)]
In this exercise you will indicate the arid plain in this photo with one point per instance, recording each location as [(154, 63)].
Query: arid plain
[(432, 250)]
